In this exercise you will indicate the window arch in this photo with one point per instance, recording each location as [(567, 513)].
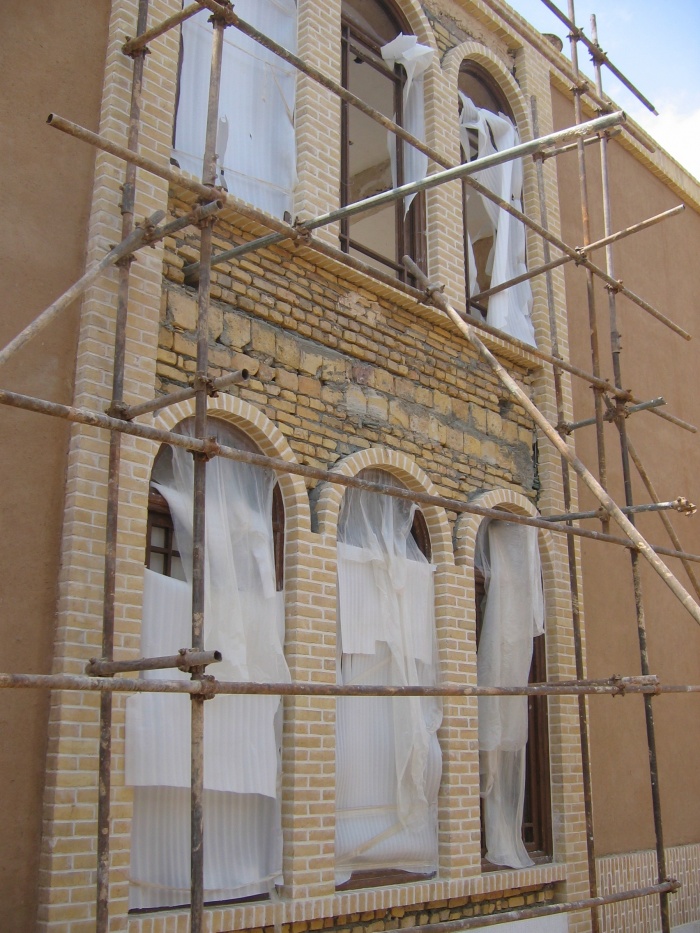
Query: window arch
[(244, 618), (388, 760), (373, 70), (494, 242)]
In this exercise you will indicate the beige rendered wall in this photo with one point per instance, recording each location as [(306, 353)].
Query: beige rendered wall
[(660, 265), (52, 59)]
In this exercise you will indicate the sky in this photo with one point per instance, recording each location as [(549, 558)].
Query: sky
[(656, 45)]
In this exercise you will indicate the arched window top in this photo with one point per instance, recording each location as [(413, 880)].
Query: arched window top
[(378, 22), (224, 432), (480, 86), (162, 553), (364, 513)]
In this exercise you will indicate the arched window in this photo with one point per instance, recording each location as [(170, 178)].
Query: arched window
[(513, 731), (371, 162), (494, 242), (244, 619), (388, 760), (255, 146)]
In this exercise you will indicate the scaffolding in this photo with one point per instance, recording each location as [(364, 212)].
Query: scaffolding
[(612, 403)]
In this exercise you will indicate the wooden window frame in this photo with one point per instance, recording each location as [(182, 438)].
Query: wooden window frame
[(492, 89), (410, 227)]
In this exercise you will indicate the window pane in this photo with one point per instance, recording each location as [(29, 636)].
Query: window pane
[(157, 562), (157, 536)]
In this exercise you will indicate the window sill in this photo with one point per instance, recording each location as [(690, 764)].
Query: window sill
[(288, 910)]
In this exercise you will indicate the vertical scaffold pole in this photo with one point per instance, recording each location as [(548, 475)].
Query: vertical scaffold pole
[(105, 754), (571, 550), (616, 348), (200, 468), (590, 291)]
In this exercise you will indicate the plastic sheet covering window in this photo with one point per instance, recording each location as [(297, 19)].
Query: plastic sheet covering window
[(513, 614), (483, 133), (388, 760), (256, 150), (244, 619), (415, 59)]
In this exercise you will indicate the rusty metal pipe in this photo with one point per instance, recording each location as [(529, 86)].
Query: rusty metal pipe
[(615, 686), (131, 46), (640, 611), (112, 517), (681, 504), (199, 498), (184, 660), (571, 552), (629, 410), (583, 251), (213, 449), (638, 540), (181, 395), (598, 55), (294, 233)]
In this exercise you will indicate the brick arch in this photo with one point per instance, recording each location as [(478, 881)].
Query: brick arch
[(418, 21), (263, 432), (475, 52), (403, 468), (506, 500)]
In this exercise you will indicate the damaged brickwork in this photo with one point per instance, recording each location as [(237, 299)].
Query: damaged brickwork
[(340, 369)]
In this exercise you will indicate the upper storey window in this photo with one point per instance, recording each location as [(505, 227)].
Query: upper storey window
[(383, 66), (494, 240), (255, 147)]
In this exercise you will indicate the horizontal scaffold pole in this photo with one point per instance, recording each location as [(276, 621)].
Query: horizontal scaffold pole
[(232, 19), (212, 448), (582, 250), (462, 171), (177, 177), (680, 504), (132, 46), (551, 433), (615, 686)]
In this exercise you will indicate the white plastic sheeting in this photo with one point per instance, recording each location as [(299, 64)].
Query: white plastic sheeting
[(508, 310), (513, 614), (256, 149), (415, 58), (244, 619), (388, 760)]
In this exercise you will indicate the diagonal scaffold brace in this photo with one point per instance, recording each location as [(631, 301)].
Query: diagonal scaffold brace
[(551, 433)]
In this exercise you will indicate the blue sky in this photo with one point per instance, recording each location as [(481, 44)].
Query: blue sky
[(656, 45)]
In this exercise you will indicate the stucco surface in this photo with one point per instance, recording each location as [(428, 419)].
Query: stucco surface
[(660, 265), (47, 185)]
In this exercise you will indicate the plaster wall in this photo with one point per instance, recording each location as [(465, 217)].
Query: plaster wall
[(53, 59), (660, 265)]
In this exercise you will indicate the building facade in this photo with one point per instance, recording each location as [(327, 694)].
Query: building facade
[(351, 371)]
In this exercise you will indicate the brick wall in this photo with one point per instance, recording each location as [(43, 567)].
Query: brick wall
[(346, 372)]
